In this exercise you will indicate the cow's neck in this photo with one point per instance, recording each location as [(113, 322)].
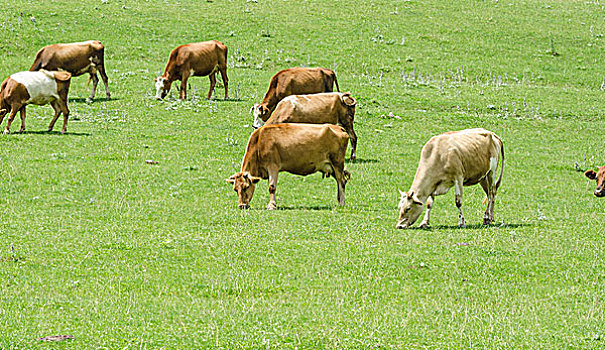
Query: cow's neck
[(423, 186), (250, 164)]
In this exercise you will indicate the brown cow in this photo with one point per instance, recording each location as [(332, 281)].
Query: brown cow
[(299, 149), (331, 107), (600, 177), (77, 59), (293, 81), (195, 59), (457, 158), (40, 88)]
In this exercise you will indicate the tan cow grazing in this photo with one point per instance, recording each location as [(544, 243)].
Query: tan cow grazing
[(456, 158), (330, 107), (195, 59), (40, 88), (299, 149), (600, 177), (293, 81), (77, 59)]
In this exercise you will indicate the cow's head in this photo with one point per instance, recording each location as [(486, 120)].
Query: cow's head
[(410, 208), (261, 114), (600, 177), (162, 87), (243, 184)]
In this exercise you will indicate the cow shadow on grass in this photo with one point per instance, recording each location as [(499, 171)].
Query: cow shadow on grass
[(361, 161), (96, 99), (308, 207), (54, 133), (471, 226)]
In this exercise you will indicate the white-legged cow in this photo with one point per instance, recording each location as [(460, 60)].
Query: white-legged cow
[(598, 175), (457, 158), (77, 59), (39, 88), (330, 107), (299, 149), (293, 81), (195, 59)]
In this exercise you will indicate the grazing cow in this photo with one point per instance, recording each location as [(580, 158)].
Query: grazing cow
[(299, 149), (195, 59), (600, 177), (293, 81), (77, 59), (330, 107), (457, 158), (39, 88)]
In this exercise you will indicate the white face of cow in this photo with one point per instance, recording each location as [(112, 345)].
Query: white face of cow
[(256, 112), (162, 87), (410, 208)]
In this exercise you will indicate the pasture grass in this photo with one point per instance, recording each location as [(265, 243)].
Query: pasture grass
[(98, 244)]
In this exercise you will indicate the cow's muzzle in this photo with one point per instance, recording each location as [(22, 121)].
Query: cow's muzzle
[(599, 193)]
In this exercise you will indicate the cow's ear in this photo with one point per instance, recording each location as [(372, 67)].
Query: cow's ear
[(591, 174), (3, 111), (255, 179), (231, 180), (401, 193), (417, 200), (155, 79)]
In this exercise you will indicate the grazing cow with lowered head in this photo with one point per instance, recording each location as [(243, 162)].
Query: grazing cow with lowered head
[(329, 107), (293, 81), (600, 177), (40, 88), (195, 59), (299, 149), (456, 158), (77, 59)]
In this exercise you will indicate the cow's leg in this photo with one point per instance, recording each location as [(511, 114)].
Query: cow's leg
[(225, 81), (427, 215), (55, 105), (340, 175), (184, 78), (272, 188), (101, 69), (3, 113), (458, 188), (488, 188), (22, 113), (95, 82), (11, 117), (65, 111), (212, 78)]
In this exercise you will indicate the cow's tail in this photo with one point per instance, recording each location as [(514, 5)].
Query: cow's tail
[(499, 181), (336, 82), (37, 62), (502, 167)]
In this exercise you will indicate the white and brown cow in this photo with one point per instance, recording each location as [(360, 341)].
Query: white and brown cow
[(330, 107), (299, 149), (77, 59), (457, 158), (293, 81), (195, 59), (39, 88), (598, 175)]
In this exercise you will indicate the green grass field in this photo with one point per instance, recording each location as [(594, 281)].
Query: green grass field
[(121, 254)]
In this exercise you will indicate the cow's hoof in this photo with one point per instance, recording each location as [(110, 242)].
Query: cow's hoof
[(424, 225), (108, 96), (89, 100), (271, 206), (63, 132), (462, 225), (6, 132), (21, 130), (487, 222), (49, 130)]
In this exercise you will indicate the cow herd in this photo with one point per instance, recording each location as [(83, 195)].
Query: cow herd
[(296, 126)]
